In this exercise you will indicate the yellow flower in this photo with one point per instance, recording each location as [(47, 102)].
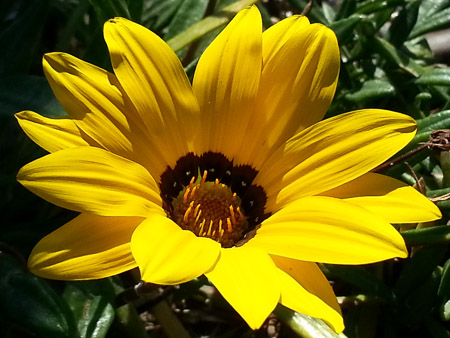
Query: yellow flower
[(233, 177)]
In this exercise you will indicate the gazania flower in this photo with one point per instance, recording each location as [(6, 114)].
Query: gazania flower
[(232, 177)]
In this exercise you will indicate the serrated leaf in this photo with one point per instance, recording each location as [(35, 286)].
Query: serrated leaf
[(28, 92), (31, 303), (372, 90), (435, 77)]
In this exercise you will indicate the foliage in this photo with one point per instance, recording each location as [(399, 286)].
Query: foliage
[(386, 63)]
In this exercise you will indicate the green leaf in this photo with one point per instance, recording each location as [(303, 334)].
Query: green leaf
[(159, 14), (439, 120), (403, 24), (189, 13), (396, 56), (372, 6), (31, 303), (364, 280), (421, 301), (108, 9), (439, 20), (435, 77), (444, 286), (305, 326), (346, 9), (207, 25), (92, 311), (20, 39), (426, 236), (344, 27), (418, 269), (28, 92), (372, 90)]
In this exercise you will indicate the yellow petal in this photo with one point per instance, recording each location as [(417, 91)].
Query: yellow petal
[(88, 247), (91, 97), (310, 277), (226, 83), (333, 152), (390, 198), (51, 134), (328, 230), (295, 297), (89, 179), (298, 81), (155, 81), (168, 255), (248, 279)]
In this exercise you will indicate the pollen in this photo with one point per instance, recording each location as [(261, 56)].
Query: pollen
[(210, 209)]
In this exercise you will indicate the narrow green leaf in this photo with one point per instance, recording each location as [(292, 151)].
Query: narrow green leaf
[(403, 24), (439, 120), (439, 20), (397, 57), (346, 9), (418, 269), (425, 236), (136, 8), (435, 77), (444, 286), (159, 13), (344, 28), (372, 90), (107, 9), (364, 280), (207, 25), (189, 13), (371, 6)]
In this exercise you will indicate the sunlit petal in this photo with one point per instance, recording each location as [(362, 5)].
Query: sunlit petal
[(390, 198), (333, 152), (226, 83), (248, 279), (328, 230), (166, 254), (88, 247), (89, 179), (51, 134), (155, 81)]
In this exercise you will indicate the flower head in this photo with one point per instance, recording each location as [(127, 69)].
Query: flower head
[(234, 177)]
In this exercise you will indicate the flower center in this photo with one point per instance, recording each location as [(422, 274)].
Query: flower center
[(213, 198), (210, 209)]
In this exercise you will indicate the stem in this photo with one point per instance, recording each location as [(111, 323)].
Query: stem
[(400, 159)]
